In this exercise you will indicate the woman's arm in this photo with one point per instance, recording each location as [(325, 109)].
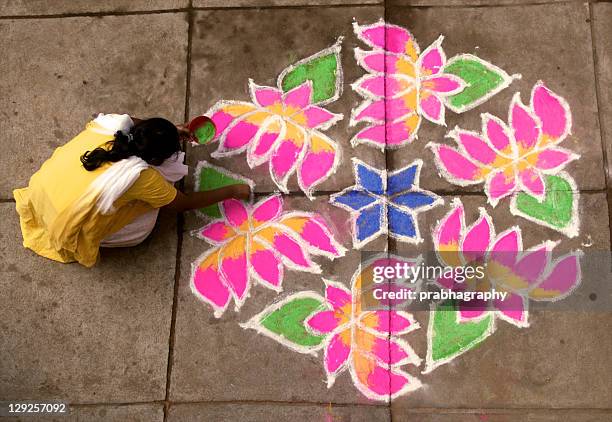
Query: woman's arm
[(195, 200)]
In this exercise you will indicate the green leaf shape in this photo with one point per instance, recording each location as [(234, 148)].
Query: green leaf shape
[(483, 80), (448, 338), (557, 210), (209, 177), (323, 69), (288, 321)]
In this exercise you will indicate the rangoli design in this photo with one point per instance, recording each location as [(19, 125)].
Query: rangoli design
[(521, 157), (525, 275), (208, 177), (256, 243), (364, 343), (284, 125), (404, 86), (382, 203)]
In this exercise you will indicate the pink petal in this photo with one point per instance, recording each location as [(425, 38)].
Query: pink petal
[(469, 311), (478, 237), (532, 181), (387, 37), (314, 232), (500, 184), (448, 231), (265, 95), (217, 232), (497, 133), (476, 147), (323, 322), (227, 112), (382, 110), (291, 250), (263, 142), (433, 58), (373, 111), (222, 120), (317, 117), (506, 247), (371, 84), (524, 125), (207, 284), (285, 157), (374, 134), (300, 96), (239, 135), (386, 383), (388, 351), (235, 212), (458, 168), (564, 277), (336, 296), (513, 308), (432, 109), (234, 267), (532, 264), (388, 322), (554, 159), (553, 111), (402, 131), (380, 86), (266, 265), (336, 355), (267, 209), (445, 84), (372, 60), (318, 163)]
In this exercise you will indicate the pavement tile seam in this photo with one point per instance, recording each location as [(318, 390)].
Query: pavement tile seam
[(414, 410), (179, 226), (95, 14), (598, 90)]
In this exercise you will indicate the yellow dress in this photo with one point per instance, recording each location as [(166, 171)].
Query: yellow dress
[(56, 225)]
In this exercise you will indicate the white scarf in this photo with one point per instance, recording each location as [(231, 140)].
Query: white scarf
[(119, 177)]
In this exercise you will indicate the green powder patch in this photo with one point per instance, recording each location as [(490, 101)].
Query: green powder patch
[(288, 321), (557, 207), (211, 178), (451, 338)]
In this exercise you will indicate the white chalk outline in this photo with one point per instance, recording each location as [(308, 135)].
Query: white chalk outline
[(335, 49), (506, 81), (255, 322)]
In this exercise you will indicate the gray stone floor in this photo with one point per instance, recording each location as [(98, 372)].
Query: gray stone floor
[(127, 340)]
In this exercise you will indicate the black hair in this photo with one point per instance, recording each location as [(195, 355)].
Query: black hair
[(154, 140)]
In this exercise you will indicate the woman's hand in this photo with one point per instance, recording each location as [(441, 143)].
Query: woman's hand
[(185, 133), (241, 191), (191, 201)]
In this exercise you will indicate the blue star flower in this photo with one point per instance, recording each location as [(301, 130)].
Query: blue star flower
[(382, 202)]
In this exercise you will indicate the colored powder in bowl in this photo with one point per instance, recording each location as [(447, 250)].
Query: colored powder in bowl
[(205, 133)]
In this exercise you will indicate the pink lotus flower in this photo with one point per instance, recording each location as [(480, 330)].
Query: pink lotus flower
[(402, 86), (524, 275), (365, 342), (512, 158), (281, 128), (256, 243)]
